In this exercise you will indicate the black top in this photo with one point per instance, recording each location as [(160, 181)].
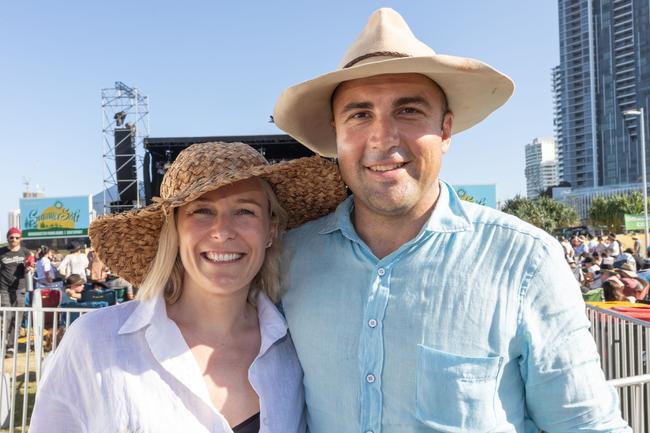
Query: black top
[(12, 268), (251, 425)]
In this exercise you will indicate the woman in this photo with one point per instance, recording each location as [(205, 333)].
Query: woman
[(203, 348), (45, 273)]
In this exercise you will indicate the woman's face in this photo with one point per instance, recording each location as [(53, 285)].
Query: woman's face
[(223, 236)]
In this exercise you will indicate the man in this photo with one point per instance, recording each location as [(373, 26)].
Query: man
[(412, 311), (15, 264), (637, 246)]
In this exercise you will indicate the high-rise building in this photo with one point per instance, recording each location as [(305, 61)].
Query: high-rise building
[(541, 166), (604, 69), (556, 80)]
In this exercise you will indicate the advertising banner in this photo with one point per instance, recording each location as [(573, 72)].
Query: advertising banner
[(479, 194), (634, 222), (55, 217)]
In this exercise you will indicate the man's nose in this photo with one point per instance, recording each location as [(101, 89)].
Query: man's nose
[(384, 132)]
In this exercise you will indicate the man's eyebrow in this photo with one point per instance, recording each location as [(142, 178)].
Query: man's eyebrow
[(406, 100), (356, 106)]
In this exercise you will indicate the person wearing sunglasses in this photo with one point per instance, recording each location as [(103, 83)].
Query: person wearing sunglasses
[(14, 265)]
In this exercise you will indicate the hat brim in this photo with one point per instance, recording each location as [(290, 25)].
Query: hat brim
[(307, 188), (473, 89), (628, 274)]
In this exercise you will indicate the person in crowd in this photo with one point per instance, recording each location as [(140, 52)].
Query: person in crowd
[(45, 272), (412, 310), (583, 246), (644, 271), (76, 262), (613, 290), (614, 245), (592, 243), (97, 270), (577, 271), (589, 264), (625, 257), (634, 286), (569, 252), (597, 258), (204, 348), (15, 265), (601, 246), (637, 248), (73, 288)]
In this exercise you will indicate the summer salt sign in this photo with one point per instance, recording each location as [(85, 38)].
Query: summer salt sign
[(55, 217)]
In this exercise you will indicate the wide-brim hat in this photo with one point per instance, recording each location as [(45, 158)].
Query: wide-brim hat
[(307, 188), (387, 46)]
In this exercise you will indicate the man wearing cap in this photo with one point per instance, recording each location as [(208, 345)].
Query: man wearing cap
[(14, 266), (412, 311)]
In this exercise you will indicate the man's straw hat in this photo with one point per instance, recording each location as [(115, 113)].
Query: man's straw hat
[(307, 188), (387, 46)]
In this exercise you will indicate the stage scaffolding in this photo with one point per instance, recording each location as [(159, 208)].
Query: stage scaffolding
[(124, 108)]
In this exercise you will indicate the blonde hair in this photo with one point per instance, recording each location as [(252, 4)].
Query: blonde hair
[(166, 270)]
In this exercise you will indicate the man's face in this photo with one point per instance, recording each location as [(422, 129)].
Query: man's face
[(391, 134), (13, 240)]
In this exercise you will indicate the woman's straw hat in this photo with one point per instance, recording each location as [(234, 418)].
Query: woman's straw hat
[(307, 188), (387, 46)]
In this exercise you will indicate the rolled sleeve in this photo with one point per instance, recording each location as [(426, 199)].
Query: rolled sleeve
[(566, 390)]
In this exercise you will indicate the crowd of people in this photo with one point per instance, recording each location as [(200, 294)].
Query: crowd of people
[(606, 270), (23, 270)]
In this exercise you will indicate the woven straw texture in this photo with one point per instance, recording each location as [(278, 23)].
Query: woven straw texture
[(307, 188)]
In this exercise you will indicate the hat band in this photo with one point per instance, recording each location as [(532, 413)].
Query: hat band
[(375, 54)]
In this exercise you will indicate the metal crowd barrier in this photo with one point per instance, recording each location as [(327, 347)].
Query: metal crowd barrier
[(27, 336), (623, 343)]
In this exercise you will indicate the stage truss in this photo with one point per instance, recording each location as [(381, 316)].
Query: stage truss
[(123, 106)]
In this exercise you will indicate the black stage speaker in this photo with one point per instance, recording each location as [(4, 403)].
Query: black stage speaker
[(125, 164)]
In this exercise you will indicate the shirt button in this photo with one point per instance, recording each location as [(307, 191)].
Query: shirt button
[(372, 323), (381, 272), (370, 378)]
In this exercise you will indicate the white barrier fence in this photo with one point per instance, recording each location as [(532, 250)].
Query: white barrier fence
[(27, 337), (623, 343)]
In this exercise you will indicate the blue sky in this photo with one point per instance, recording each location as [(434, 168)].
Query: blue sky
[(216, 68)]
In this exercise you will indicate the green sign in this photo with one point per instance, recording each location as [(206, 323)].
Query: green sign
[(634, 222), (46, 234)]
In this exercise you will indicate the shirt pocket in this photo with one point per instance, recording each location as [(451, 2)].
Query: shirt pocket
[(456, 393)]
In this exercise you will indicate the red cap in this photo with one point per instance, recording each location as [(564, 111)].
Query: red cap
[(13, 231)]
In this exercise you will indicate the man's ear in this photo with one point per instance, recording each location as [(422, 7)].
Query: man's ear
[(447, 122)]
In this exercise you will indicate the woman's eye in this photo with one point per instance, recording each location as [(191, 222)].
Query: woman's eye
[(244, 212), (202, 211)]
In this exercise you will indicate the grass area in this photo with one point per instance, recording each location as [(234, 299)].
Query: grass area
[(19, 386)]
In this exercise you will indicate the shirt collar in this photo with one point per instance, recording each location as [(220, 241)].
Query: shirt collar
[(168, 346), (447, 216), (273, 326)]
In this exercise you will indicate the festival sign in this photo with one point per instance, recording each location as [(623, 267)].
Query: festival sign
[(634, 222), (485, 195), (55, 217)]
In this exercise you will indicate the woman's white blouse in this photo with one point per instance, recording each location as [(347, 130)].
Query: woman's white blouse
[(128, 369)]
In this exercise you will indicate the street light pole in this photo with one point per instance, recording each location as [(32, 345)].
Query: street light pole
[(641, 115)]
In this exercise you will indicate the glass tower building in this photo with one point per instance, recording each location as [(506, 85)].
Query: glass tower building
[(604, 69)]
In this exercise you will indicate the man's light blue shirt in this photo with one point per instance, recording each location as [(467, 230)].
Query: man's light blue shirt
[(475, 325)]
